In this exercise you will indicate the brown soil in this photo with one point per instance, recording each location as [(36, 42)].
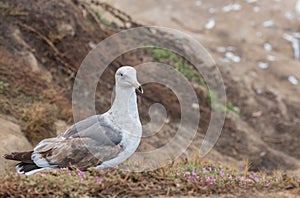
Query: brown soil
[(267, 131)]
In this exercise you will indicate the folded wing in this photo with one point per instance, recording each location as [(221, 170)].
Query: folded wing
[(85, 144)]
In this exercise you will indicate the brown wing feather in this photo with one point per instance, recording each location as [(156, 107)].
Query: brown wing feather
[(20, 156), (81, 153)]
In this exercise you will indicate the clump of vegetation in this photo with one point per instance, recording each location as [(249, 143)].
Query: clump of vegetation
[(167, 56), (183, 66), (232, 108), (3, 86), (229, 107), (101, 19), (34, 102), (185, 178), (39, 121)]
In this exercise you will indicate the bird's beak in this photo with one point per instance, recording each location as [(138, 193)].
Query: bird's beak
[(139, 88)]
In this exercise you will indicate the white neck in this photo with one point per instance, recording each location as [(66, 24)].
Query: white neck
[(124, 112), (125, 103)]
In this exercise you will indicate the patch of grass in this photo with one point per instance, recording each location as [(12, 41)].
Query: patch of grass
[(4, 6), (101, 19), (169, 57), (182, 179), (6, 9), (161, 55), (229, 107), (212, 99), (3, 86)]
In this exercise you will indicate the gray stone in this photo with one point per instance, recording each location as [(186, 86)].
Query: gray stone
[(11, 139)]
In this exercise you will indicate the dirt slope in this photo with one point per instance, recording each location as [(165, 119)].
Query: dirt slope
[(268, 129)]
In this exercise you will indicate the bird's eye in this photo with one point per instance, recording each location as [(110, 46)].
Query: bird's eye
[(121, 74)]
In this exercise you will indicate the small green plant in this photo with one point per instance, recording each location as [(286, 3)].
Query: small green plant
[(4, 6), (101, 18), (212, 99), (232, 108), (3, 86), (216, 105), (161, 55), (167, 56)]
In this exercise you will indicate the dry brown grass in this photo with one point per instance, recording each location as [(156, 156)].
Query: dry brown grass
[(35, 103), (39, 121)]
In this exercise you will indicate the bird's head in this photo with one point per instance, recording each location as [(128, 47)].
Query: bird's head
[(126, 77)]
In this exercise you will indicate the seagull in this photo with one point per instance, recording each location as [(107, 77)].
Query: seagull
[(101, 141)]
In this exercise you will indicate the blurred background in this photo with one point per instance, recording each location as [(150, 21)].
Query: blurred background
[(255, 44)]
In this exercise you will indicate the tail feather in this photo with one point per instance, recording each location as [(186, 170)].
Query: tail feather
[(23, 167), (20, 156), (26, 164)]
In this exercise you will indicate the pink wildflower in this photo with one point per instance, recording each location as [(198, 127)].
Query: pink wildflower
[(211, 180), (83, 174), (222, 174), (257, 179), (248, 180), (101, 171), (99, 180)]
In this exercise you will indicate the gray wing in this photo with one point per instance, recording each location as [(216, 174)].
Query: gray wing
[(97, 128), (81, 153), (86, 143)]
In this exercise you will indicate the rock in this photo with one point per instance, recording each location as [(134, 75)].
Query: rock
[(11, 139), (29, 60), (65, 29)]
